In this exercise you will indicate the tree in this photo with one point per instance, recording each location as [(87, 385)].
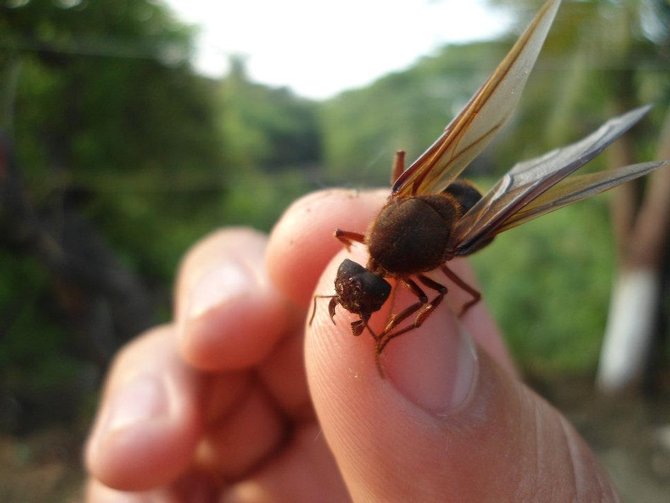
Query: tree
[(265, 127), (642, 231), (107, 134), (620, 47)]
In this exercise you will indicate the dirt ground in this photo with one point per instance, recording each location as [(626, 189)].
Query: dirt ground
[(42, 467), (630, 435)]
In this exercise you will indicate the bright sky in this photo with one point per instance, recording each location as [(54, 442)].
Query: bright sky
[(320, 48)]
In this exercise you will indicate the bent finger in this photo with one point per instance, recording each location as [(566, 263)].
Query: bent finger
[(229, 314), (148, 423), (302, 243)]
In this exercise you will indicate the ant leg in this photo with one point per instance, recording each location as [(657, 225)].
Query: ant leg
[(424, 311), (348, 237), (357, 326), (398, 165), (334, 301), (398, 318), (331, 307), (476, 296)]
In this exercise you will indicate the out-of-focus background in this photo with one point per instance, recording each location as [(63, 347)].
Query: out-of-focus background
[(131, 128)]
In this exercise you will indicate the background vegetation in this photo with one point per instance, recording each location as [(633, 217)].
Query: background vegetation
[(115, 157)]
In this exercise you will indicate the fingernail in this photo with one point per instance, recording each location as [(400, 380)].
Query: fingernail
[(142, 399), (216, 287), (435, 369)]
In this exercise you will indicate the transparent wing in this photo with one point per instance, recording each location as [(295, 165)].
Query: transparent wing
[(576, 188), (518, 191), (484, 115)]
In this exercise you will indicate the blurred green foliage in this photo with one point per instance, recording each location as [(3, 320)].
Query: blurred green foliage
[(106, 111), (548, 283), (109, 120), (363, 128), (265, 127)]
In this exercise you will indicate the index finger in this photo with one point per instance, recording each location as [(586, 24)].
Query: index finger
[(229, 315), (302, 245), (302, 242)]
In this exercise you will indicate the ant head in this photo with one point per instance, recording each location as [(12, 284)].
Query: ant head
[(360, 291)]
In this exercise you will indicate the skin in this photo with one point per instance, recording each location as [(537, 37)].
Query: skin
[(239, 400)]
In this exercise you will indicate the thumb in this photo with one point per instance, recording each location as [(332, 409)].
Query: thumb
[(448, 421)]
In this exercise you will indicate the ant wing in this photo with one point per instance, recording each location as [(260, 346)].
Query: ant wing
[(483, 116), (576, 188), (532, 188)]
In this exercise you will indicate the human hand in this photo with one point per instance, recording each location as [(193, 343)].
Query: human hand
[(217, 405)]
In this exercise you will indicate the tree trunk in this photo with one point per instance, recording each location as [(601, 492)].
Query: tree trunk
[(641, 233)]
